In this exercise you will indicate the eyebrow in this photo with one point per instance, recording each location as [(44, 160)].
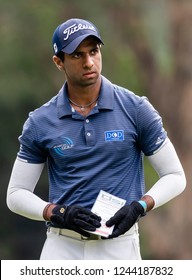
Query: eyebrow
[(81, 52)]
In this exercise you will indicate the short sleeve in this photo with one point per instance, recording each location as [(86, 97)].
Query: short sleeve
[(151, 133), (31, 149)]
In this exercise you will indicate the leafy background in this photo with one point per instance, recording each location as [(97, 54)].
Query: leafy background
[(148, 49)]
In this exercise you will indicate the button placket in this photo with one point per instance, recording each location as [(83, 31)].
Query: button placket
[(89, 133)]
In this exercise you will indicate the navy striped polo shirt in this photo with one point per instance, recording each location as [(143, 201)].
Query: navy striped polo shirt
[(102, 151)]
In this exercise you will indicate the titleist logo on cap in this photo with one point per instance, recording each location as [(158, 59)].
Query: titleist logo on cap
[(75, 28)]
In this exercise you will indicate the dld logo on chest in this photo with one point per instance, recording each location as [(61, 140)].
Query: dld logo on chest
[(114, 135)]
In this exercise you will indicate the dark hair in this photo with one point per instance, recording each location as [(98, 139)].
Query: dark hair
[(61, 55)]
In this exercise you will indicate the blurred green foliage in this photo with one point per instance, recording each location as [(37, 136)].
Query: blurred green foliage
[(29, 78)]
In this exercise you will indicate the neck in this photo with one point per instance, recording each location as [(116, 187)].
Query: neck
[(84, 95)]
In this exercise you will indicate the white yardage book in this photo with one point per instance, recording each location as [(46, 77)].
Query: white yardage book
[(105, 206)]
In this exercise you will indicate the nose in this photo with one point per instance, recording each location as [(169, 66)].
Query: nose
[(88, 62)]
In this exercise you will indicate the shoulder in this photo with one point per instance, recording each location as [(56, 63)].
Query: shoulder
[(121, 92), (47, 110), (125, 98), (41, 118), (130, 98)]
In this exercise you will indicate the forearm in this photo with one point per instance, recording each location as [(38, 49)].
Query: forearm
[(172, 179), (20, 194), (27, 204), (167, 188)]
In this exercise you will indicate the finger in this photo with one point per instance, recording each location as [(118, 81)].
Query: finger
[(95, 217), (84, 225), (112, 221), (88, 213), (89, 219), (96, 223), (115, 219)]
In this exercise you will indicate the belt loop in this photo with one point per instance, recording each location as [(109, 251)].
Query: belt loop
[(59, 231)]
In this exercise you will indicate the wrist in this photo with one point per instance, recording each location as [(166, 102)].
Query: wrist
[(143, 204), (47, 212), (149, 201)]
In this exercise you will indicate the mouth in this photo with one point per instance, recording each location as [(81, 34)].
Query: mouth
[(89, 74)]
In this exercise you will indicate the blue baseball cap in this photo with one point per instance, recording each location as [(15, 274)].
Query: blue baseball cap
[(68, 35)]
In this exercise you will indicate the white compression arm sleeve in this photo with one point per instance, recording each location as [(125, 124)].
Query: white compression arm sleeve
[(22, 200), (20, 196), (172, 179)]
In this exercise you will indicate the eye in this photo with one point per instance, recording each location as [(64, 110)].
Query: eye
[(94, 51), (76, 55)]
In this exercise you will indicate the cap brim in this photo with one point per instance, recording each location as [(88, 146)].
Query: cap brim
[(69, 49)]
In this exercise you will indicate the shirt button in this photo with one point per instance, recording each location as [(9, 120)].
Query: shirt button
[(87, 121), (88, 134)]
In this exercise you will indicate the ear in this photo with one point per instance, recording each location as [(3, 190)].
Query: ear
[(58, 62)]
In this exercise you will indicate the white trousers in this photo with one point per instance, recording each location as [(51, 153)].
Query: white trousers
[(62, 244)]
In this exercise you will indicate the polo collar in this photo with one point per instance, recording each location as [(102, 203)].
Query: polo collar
[(105, 101)]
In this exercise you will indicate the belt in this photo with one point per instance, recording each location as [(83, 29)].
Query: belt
[(78, 236)]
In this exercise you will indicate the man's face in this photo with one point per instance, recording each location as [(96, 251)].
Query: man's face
[(83, 67)]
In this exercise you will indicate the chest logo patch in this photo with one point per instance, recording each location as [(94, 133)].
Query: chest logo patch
[(114, 135), (67, 144)]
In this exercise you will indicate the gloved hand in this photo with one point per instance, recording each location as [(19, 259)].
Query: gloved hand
[(75, 218), (125, 218)]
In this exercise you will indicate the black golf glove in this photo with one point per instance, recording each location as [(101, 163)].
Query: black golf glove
[(125, 218), (75, 218)]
